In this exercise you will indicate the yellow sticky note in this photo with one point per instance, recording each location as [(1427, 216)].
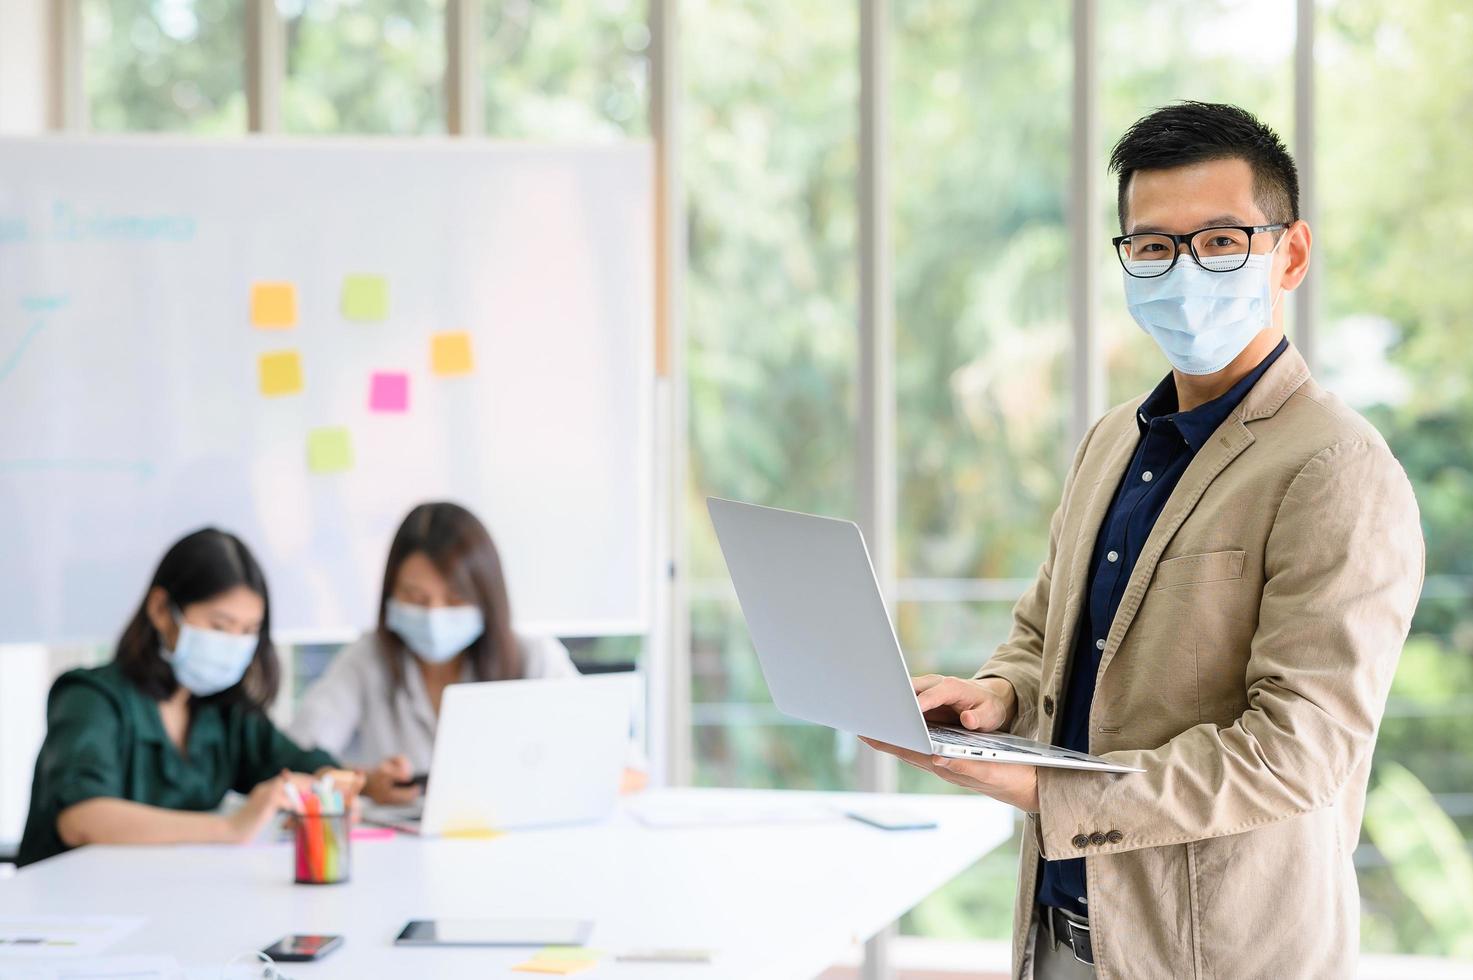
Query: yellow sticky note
[(470, 833), (280, 373), (561, 968), (365, 297), (450, 353), (329, 450), (273, 305)]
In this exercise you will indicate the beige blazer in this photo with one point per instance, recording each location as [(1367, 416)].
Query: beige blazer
[(1246, 671)]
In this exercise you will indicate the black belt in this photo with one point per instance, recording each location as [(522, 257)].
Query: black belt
[(1071, 930)]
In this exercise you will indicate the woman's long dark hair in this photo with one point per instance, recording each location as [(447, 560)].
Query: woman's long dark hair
[(198, 567), (461, 549)]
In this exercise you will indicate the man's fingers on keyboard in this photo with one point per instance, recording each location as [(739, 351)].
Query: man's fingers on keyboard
[(951, 693), (923, 682)]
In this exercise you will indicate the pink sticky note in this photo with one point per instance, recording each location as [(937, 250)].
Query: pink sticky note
[(388, 392), (372, 833)]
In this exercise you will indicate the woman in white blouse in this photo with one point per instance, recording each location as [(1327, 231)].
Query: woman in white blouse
[(444, 618)]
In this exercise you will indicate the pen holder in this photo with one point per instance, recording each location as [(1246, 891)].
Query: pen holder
[(321, 843)]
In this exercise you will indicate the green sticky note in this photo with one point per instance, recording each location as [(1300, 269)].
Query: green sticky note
[(329, 450), (575, 954), (365, 298)]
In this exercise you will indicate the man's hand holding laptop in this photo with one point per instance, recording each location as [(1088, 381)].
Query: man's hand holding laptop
[(984, 705)]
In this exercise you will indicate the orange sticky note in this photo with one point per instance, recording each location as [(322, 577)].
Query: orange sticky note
[(280, 373), (561, 968), (450, 353), (273, 305)]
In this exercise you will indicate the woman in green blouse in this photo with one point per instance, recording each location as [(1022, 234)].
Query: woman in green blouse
[(141, 750)]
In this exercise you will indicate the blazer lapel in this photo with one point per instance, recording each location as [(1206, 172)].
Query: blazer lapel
[(1281, 380), (1213, 458)]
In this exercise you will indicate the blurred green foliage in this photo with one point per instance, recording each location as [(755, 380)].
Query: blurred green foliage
[(364, 66), (157, 65), (1427, 857)]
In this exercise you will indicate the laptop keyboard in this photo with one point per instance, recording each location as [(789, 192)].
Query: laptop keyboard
[(951, 736)]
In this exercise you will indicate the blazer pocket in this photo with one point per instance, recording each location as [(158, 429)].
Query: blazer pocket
[(1215, 566)]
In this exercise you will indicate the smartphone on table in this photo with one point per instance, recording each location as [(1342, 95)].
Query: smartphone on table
[(302, 949)]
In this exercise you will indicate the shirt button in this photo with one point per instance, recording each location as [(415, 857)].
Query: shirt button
[(1048, 704), (1112, 557), (1099, 644), (1080, 841), (1114, 837), (1146, 476), (1097, 838)]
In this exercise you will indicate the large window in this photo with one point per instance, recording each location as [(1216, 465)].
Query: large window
[(770, 157), (979, 162), (165, 65), (566, 69), (1396, 342), (364, 66)]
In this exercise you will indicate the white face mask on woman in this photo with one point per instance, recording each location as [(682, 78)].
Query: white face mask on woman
[(435, 634), (1203, 320), (209, 661)]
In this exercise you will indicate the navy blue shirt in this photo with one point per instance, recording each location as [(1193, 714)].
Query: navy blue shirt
[(1169, 440)]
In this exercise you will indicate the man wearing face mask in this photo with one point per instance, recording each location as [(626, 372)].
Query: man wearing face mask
[(1231, 574)]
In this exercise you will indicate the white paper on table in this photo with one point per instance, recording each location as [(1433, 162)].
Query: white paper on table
[(99, 968), (50, 937), (668, 814)]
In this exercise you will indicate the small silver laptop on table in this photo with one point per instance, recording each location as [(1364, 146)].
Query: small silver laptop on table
[(828, 651), (503, 762)]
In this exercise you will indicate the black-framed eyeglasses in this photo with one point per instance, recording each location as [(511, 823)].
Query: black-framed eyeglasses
[(1222, 249)]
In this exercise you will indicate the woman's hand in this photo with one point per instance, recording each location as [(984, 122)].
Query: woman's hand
[(381, 784), (263, 803), (348, 782)]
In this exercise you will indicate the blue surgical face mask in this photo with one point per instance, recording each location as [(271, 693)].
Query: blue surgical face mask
[(209, 661), (1202, 320), (435, 634)]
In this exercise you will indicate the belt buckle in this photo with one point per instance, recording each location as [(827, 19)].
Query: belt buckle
[(1076, 932)]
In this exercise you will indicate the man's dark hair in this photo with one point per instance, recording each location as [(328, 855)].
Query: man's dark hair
[(1192, 132)]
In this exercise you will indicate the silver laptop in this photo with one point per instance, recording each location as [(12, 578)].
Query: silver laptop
[(502, 761), (827, 647)]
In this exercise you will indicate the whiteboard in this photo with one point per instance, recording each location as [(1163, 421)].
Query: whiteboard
[(190, 333)]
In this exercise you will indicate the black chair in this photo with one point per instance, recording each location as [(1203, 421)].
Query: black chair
[(604, 667)]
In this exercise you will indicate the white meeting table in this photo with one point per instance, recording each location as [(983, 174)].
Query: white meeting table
[(771, 900)]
